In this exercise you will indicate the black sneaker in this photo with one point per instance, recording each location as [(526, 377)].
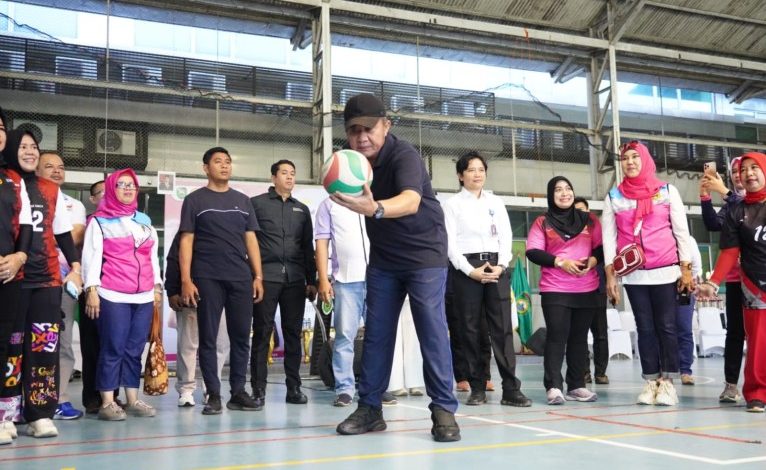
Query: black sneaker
[(295, 396), (388, 399), (755, 406), (241, 401), (478, 397), (515, 398), (344, 399), (364, 419), (445, 428), (213, 405)]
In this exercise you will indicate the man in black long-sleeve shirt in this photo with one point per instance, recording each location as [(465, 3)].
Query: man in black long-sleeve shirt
[(287, 256)]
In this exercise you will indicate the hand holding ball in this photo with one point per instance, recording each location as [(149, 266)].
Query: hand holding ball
[(346, 172)]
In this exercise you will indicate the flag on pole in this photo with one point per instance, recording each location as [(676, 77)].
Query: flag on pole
[(520, 288)]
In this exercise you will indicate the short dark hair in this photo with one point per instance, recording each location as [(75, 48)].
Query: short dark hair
[(465, 159), (94, 185), (581, 199), (209, 154), (275, 167)]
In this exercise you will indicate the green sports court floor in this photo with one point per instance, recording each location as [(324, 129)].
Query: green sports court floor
[(610, 433)]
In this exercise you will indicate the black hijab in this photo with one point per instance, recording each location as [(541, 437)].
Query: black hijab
[(11, 151), (567, 222)]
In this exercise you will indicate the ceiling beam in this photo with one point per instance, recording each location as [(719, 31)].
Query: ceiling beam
[(625, 13), (712, 14), (737, 93)]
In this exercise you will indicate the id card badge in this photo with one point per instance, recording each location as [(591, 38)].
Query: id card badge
[(493, 230)]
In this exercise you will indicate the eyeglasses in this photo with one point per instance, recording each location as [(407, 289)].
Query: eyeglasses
[(123, 185)]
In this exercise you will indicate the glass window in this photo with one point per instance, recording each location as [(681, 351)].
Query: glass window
[(61, 24), (694, 95), (671, 93), (210, 42), (518, 223), (642, 90)]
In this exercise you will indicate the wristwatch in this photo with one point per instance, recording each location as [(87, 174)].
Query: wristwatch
[(379, 211), (91, 289)]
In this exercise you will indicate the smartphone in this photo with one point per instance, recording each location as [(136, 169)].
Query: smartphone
[(72, 290), (710, 167)]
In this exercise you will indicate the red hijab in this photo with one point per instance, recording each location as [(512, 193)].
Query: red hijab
[(110, 206), (644, 186), (760, 160)]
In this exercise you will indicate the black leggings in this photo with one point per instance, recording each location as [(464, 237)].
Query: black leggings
[(735, 333), (567, 334)]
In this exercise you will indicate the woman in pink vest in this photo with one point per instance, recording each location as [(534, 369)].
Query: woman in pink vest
[(566, 242), (649, 212), (743, 238), (122, 283)]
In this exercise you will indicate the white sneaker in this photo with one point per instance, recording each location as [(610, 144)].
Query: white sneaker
[(186, 399), (555, 397), (666, 394), (10, 428), (581, 394), (648, 394), (5, 438), (42, 428)]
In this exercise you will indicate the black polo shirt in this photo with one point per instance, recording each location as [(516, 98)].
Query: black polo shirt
[(285, 238), (415, 241)]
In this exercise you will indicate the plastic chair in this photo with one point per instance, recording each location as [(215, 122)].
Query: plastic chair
[(712, 335), (619, 338), (628, 323)]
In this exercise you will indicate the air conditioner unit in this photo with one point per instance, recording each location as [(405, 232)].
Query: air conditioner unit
[(74, 67), (298, 91), (347, 93), (459, 108), (407, 103), (116, 142), (46, 133), (12, 61), (207, 81), (142, 74)]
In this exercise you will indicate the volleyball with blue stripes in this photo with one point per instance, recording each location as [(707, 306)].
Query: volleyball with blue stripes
[(346, 171)]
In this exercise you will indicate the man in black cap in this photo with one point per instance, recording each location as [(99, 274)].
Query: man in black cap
[(408, 255)]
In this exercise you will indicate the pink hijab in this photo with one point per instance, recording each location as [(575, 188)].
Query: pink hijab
[(110, 206), (644, 186)]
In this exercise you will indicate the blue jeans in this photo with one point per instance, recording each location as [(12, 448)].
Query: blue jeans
[(124, 331), (384, 303), (684, 314), (349, 310), (654, 307)]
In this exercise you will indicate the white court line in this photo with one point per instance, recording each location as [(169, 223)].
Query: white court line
[(604, 441)]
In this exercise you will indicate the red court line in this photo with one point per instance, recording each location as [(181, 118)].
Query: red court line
[(656, 428)]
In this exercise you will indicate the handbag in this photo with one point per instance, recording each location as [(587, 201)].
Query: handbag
[(631, 257), (156, 370)]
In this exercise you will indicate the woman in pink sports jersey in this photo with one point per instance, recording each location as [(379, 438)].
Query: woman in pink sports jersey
[(566, 243), (649, 212)]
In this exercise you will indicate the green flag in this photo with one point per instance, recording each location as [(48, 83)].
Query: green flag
[(520, 288)]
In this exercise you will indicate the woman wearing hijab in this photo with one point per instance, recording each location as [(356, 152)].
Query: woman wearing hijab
[(39, 314), (15, 238), (122, 283), (735, 328), (566, 243), (742, 238), (649, 212)]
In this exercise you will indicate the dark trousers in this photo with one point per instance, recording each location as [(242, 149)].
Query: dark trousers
[(385, 296), (291, 299), (456, 341), (89, 348), (654, 307), (567, 334), (237, 298), (600, 330), (476, 301), (735, 333), (11, 344), (40, 371)]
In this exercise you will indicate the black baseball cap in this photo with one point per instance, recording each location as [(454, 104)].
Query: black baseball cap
[(365, 110)]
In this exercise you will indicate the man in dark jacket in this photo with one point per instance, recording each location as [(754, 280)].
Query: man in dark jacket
[(287, 256)]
